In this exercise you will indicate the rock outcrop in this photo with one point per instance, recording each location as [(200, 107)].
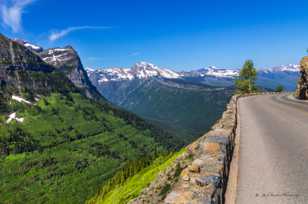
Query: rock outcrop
[(302, 84)]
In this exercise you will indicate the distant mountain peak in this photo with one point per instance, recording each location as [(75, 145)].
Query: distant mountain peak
[(283, 68), (146, 70), (212, 71), (141, 70), (221, 72)]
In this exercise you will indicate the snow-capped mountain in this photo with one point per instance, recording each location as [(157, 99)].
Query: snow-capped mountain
[(111, 74), (285, 75), (146, 70), (212, 71), (30, 46), (282, 68), (141, 70)]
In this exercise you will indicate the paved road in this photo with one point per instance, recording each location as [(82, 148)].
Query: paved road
[(273, 163)]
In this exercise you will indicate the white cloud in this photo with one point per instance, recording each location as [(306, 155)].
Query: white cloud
[(62, 33), (11, 13)]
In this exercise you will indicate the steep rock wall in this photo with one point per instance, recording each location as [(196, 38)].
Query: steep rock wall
[(302, 84)]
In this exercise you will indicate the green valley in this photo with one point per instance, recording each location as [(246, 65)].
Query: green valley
[(185, 109), (56, 144)]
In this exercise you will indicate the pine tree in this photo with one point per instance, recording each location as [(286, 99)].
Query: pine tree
[(246, 81)]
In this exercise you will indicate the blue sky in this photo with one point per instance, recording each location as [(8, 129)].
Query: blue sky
[(178, 34)]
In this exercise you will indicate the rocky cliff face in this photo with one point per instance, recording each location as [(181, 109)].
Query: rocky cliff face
[(67, 60), (302, 84), (14, 56), (24, 73)]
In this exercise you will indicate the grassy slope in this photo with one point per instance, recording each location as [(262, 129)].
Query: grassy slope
[(133, 186), (65, 150)]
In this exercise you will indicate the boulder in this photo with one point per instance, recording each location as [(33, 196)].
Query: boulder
[(185, 175), (211, 148), (196, 166), (204, 181), (302, 84)]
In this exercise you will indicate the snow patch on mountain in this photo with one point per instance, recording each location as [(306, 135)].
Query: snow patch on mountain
[(29, 45), (20, 100), (56, 55), (34, 47), (13, 116), (115, 74), (216, 72)]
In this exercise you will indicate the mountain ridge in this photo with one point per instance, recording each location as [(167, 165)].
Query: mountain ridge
[(136, 71), (212, 76)]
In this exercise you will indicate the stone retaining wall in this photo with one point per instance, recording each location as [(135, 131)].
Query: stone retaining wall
[(199, 175)]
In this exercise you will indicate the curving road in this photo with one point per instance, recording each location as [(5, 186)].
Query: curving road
[(273, 158)]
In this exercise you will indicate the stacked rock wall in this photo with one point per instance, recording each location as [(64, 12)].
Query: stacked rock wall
[(199, 175), (202, 169)]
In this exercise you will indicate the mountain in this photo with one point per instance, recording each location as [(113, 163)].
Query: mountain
[(142, 70), (285, 75), (23, 72), (66, 60), (164, 97), (212, 71), (212, 76), (55, 140), (268, 78)]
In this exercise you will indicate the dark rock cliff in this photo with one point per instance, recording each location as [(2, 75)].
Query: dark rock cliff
[(302, 84), (14, 56), (25, 73)]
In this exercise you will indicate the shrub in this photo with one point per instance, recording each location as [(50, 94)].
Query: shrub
[(279, 88)]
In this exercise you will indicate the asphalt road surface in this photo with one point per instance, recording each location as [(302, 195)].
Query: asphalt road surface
[(273, 155)]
